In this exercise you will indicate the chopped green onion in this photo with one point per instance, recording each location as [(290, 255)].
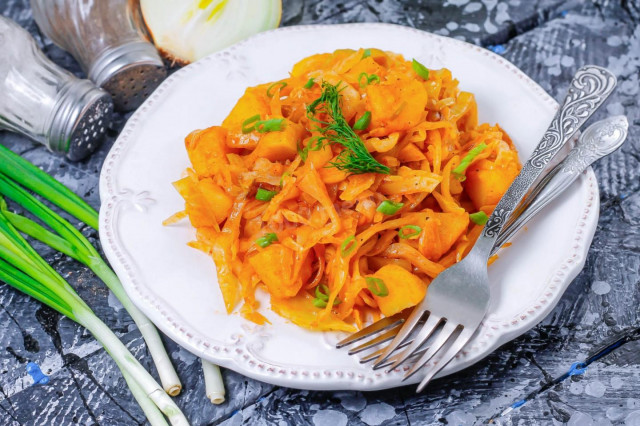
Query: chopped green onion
[(285, 174), (479, 218), (389, 207), (404, 235), (365, 79), (250, 120), (466, 161), (322, 297), (348, 245), (377, 286), (267, 239), (309, 84), (319, 303), (265, 194), (314, 144), (262, 126), (363, 122), (302, 152), (322, 292), (272, 125), (282, 85), (420, 69), (366, 53)]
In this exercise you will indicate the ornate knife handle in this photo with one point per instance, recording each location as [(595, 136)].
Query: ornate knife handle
[(590, 87)]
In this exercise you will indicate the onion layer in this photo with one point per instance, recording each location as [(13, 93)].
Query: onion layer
[(187, 30)]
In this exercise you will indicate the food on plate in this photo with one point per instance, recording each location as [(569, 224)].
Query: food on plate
[(344, 188)]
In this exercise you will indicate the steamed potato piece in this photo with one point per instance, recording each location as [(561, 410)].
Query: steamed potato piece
[(206, 203), (486, 181), (405, 289), (218, 201), (395, 104), (441, 231), (281, 145), (250, 104), (274, 265), (207, 150)]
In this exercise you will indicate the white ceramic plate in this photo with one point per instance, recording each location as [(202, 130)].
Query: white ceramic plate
[(176, 285)]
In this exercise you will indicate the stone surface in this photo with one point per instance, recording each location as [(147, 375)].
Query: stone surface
[(549, 40)]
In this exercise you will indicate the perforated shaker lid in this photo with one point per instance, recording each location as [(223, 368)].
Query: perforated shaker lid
[(130, 73), (81, 119)]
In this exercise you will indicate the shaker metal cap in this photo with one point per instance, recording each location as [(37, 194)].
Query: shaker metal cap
[(130, 73), (80, 120)]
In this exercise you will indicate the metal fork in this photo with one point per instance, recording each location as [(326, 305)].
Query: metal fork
[(457, 299)]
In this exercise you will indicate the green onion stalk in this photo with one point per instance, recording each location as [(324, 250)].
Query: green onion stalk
[(70, 241), (23, 268), (33, 178), (214, 387), (149, 408)]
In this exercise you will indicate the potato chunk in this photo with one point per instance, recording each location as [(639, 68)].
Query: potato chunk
[(206, 203), (207, 150), (275, 265), (251, 103), (441, 231), (487, 181), (396, 104), (281, 145), (405, 289)]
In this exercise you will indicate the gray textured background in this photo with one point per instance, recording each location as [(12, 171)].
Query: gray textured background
[(549, 40)]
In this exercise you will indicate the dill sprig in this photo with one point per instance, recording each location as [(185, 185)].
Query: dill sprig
[(354, 158)]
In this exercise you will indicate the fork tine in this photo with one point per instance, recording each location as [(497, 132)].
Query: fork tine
[(393, 358), (442, 362), (384, 337), (440, 340), (427, 329), (375, 355), (374, 328), (372, 356), (404, 332)]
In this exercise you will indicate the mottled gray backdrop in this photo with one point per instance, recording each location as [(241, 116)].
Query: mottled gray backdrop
[(549, 40)]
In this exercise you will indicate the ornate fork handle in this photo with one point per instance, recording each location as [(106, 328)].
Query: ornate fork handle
[(590, 87)]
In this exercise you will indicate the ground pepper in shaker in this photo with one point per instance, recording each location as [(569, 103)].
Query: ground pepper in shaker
[(110, 43), (46, 103)]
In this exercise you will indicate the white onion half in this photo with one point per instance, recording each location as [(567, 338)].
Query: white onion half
[(187, 30)]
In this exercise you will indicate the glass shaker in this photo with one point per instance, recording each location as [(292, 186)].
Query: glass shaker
[(46, 103), (107, 39)]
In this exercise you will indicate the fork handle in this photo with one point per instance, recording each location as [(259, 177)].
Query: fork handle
[(588, 90)]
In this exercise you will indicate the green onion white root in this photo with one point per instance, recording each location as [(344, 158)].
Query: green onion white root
[(214, 387)]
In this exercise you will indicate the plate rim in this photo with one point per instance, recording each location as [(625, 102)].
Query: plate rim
[(232, 355)]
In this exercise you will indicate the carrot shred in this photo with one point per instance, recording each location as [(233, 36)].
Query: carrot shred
[(175, 218)]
